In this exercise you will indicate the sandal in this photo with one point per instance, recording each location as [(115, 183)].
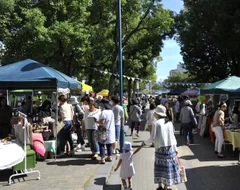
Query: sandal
[(101, 162), (108, 159)]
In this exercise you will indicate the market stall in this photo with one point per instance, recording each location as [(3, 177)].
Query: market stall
[(30, 74), (86, 88), (103, 93), (191, 92)]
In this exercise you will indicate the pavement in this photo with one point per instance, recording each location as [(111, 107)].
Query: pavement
[(75, 173), (204, 170)]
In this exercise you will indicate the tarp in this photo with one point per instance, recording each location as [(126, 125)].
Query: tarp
[(223, 86), (175, 92), (161, 92), (103, 93), (191, 92), (30, 74)]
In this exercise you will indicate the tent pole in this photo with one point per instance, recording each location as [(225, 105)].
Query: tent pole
[(56, 123), (32, 102), (7, 98)]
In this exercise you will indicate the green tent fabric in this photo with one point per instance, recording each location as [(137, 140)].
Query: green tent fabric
[(223, 86)]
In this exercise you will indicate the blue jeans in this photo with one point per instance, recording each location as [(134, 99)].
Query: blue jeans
[(92, 141), (117, 132), (66, 135), (187, 128)]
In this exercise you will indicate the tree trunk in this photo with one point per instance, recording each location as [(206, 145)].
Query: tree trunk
[(129, 91), (112, 83), (134, 89)]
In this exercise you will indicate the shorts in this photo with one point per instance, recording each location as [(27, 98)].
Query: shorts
[(117, 132)]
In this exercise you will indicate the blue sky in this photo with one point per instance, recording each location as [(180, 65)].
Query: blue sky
[(171, 51)]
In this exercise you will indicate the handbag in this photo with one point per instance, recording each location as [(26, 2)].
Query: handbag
[(182, 172), (101, 133)]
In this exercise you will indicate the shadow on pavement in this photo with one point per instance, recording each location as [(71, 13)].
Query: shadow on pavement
[(73, 162), (213, 177), (100, 181), (5, 174), (203, 149), (112, 187)]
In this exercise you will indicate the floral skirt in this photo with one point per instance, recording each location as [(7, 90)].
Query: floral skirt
[(166, 170)]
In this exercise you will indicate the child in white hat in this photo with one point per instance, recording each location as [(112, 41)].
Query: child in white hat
[(127, 169)]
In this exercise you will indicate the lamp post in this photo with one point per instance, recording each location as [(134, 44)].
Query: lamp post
[(119, 17)]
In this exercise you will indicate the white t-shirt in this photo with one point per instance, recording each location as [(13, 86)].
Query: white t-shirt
[(118, 114), (90, 119), (127, 169), (162, 134)]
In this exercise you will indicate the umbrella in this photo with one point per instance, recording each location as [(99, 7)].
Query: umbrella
[(191, 92), (223, 86), (103, 93)]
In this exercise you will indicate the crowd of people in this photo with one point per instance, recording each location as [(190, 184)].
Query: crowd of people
[(101, 119)]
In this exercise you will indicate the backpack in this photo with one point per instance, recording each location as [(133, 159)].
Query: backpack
[(78, 114)]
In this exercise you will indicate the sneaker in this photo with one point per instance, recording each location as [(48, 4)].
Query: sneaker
[(78, 148), (83, 148), (114, 151)]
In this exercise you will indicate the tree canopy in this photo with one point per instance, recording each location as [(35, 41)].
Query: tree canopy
[(76, 36), (209, 36)]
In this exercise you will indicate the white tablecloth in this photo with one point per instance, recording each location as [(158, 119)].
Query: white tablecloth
[(10, 155)]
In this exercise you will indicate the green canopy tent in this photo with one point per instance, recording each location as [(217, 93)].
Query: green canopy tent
[(224, 86)]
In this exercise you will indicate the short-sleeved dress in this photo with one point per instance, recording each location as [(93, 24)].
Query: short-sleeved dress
[(108, 116), (127, 169)]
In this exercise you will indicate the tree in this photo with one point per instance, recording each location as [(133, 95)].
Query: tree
[(145, 24), (52, 32), (77, 36), (209, 36)]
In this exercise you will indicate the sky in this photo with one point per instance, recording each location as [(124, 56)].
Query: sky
[(171, 52)]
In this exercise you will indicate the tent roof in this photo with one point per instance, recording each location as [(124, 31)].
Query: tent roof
[(175, 92), (30, 74), (103, 93), (191, 92), (223, 86), (86, 87)]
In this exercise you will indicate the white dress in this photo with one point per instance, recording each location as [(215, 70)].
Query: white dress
[(127, 169), (108, 116)]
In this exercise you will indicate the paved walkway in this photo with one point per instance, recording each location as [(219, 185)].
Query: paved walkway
[(65, 174), (204, 170)]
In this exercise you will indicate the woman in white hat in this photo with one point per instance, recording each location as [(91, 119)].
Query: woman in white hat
[(166, 170)]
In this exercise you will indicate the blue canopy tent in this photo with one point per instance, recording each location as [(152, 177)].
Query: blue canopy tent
[(30, 74), (175, 92)]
